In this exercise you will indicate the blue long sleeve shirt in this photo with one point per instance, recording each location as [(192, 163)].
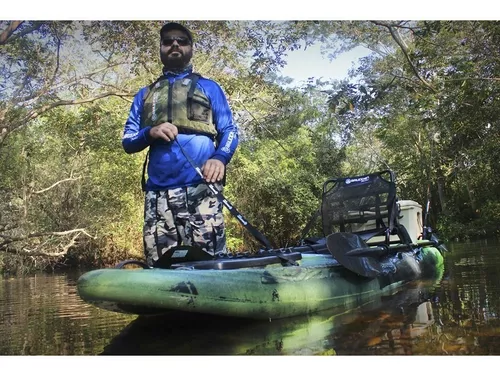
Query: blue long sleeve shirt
[(168, 167)]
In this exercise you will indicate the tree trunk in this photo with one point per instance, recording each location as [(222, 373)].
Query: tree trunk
[(442, 198), (472, 199)]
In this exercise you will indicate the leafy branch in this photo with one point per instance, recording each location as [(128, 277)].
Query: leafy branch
[(33, 114), (404, 49), (7, 36)]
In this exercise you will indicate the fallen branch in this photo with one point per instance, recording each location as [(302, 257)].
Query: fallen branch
[(8, 240), (27, 252), (55, 184), (35, 252), (72, 242), (5, 246)]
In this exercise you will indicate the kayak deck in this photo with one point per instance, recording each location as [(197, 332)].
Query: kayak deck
[(316, 282)]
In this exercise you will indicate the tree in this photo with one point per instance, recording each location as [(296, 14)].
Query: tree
[(432, 103), (65, 94)]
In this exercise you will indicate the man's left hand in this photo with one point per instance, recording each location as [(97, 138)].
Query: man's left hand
[(213, 170)]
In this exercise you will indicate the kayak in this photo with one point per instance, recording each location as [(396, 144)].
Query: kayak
[(324, 333), (310, 282), (372, 244)]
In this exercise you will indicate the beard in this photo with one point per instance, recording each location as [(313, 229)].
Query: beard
[(176, 61)]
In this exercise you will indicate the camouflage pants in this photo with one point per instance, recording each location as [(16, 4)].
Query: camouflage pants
[(187, 216)]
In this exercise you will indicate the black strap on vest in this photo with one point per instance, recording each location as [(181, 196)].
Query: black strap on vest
[(143, 177), (194, 80)]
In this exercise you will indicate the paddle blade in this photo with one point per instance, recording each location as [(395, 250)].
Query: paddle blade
[(438, 243), (340, 243)]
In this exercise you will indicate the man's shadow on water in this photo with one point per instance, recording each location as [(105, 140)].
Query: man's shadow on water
[(184, 333), (179, 333)]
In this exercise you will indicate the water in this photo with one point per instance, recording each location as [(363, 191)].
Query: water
[(458, 315)]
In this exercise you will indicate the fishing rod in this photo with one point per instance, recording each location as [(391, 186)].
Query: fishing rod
[(427, 233), (426, 229), (256, 233)]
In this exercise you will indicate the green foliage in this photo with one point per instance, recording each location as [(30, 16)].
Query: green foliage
[(424, 104), (280, 184), (432, 104), (276, 187), (485, 223), (98, 186)]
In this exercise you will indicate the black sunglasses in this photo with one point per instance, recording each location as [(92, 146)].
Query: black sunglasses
[(181, 41)]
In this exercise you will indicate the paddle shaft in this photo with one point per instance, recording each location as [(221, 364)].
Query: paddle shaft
[(256, 233), (378, 251)]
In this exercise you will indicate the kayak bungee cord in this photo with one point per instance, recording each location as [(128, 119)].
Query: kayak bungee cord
[(256, 233)]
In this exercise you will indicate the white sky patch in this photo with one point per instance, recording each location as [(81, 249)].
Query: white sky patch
[(303, 64)]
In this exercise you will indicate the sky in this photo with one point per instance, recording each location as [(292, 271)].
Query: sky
[(302, 64)]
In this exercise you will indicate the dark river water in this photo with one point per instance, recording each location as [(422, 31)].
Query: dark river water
[(458, 315)]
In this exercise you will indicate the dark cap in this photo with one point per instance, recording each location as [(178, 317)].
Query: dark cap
[(176, 26)]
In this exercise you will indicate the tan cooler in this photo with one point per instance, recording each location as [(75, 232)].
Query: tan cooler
[(410, 217)]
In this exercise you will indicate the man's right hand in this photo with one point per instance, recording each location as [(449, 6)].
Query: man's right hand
[(166, 131)]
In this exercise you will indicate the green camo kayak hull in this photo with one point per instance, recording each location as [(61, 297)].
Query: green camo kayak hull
[(315, 283)]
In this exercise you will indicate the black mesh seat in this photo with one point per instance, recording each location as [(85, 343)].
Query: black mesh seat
[(364, 205)]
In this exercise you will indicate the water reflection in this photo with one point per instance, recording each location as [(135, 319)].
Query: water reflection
[(462, 313), (457, 316), (44, 315), (469, 300), (319, 334)]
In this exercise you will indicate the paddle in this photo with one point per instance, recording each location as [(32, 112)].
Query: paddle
[(256, 233), (353, 252), (382, 250), (341, 243)]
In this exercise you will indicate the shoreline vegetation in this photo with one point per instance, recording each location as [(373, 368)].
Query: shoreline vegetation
[(424, 104)]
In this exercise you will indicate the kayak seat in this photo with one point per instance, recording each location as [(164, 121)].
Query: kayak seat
[(363, 205)]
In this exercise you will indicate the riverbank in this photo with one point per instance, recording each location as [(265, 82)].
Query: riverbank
[(90, 256)]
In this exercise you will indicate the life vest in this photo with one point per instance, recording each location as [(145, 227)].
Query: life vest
[(181, 103)]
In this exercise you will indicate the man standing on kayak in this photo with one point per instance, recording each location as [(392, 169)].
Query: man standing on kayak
[(179, 113)]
